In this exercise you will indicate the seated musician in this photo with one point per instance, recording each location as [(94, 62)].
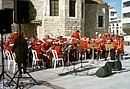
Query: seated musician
[(9, 44), (39, 49), (15, 35), (58, 47)]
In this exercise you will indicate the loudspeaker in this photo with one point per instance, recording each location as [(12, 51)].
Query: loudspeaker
[(1, 20), (116, 65), (110, 64), (104, 71), (6, 19), (21, 11)]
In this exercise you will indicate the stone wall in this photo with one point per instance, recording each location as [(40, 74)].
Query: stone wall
[(54, 26), (91, 19), (62, 24)]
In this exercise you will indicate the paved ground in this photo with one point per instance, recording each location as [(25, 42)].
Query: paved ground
[(83, 78)]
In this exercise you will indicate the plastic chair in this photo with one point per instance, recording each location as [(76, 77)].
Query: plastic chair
[(11, 58), (35, 59), (55, 58)]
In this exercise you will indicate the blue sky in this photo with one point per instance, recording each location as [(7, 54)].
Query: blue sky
[(116, 4)]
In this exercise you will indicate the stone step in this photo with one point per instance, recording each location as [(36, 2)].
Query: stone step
[(126, 57)]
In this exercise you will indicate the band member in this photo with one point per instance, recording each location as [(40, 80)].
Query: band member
[(104, 37), (9, 44), (85, 49), (114, 51), (120, 48), (79, 48), (93, 49), (100, 48), (96, 35), (104, 50), (40, 53), (112, 36), (58, 48), (15, 35), (76, 34)]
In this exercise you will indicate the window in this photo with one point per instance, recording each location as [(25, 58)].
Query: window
[(117, 32), (72, 8), (126, 4), (82, 10), (112, 13), (126, 15), (113, 26), (126, 25), (113, 31), (54, 7), (100, 21)]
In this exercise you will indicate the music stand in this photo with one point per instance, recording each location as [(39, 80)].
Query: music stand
[(109, 46), (68, 63)]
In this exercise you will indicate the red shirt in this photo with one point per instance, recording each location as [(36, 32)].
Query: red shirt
[(76, 35), (58, 50)]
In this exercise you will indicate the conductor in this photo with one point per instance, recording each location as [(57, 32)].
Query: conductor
[(21, 50)]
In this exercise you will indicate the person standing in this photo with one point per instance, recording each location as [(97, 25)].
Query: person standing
[(76, 34), (21, 50)]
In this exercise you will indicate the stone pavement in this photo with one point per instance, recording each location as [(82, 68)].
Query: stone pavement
[(84, 78), (81, 78)]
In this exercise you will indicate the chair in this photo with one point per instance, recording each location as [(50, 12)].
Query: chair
[(11, 58), (55, 58), (35, 59)]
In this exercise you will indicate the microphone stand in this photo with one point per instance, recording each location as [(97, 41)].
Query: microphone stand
[(68, 63)]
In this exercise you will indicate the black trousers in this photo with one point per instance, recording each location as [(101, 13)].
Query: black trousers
[(22, 66)]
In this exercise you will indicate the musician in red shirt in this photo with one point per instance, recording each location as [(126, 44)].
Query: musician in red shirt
[(15, 35), (39, 49), (86, 48), (120, 48), (114, 50), (76, 35)]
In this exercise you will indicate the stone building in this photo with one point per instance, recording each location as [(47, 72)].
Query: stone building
[(96, 17), (59, 17), (115, 23), (62, 17), (126, 16)]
